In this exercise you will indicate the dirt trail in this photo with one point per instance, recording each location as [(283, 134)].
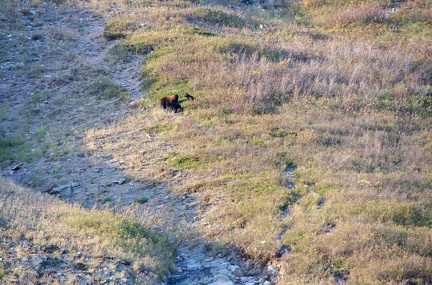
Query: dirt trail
[(51, 59)]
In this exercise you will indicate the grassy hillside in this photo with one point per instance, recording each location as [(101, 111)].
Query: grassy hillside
[(44, 239), (339, 93)]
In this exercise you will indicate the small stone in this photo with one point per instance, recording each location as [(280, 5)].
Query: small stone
[(236, 270), (266, 283), (7, 264), (208, 259), (17, 167), (224, 271), (50, 248), (59, 189), (178, 269), (329, 228), (36, 261), (120, 181), (75, 184), (222, 283), (272, 269)]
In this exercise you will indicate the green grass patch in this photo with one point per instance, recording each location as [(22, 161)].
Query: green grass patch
[(280, 133), (141, 200), (414, 216), (107, 199), (119, 27), (202, 32), (155, 39), (39, 97), (160, 128), (130, 236), (8, 147), (297, 239), (237, 45), (256, 141), (105, 90), (219, 18), (1, 271), (180, 160)]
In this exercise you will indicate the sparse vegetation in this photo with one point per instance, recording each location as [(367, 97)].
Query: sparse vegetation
[(180, 160), (141, 200), (107, 199), (340, 89), (1, 271), (7, 147), (107, 91), (217, 17)]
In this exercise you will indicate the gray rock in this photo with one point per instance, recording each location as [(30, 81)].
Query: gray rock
[(36, 261), (224, 271), (120, 181), (59, 189), (236, 271), (63, 189), (272, 270), (75, 184), (50, 248), (222, 283)]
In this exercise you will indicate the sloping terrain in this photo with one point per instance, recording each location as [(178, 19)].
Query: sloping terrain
[(60, 78), (305, 158)]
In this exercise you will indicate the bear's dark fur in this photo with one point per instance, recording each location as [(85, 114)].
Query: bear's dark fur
[(168, 99), (174, 106), (189, 97)]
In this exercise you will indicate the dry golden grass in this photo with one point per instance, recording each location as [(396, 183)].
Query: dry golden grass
[(345, 101), (347, 107)]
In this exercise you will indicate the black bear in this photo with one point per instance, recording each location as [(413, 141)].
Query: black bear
[(174, 106), (168, 99), (189, 97)]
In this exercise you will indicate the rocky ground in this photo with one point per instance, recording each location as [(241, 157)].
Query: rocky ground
[(52, 263), (50, 58)]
